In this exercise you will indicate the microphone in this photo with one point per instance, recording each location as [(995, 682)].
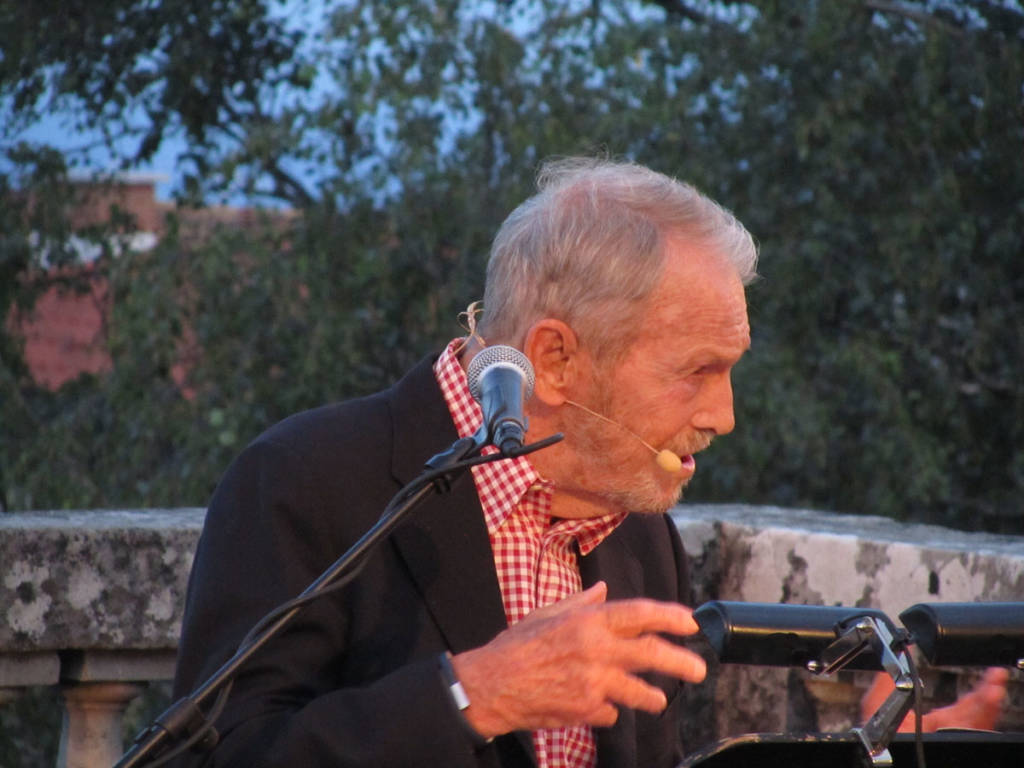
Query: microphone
[(500, 379), (779, 634), (968, 634), (665, 459)]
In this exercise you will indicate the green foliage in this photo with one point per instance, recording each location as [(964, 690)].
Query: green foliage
[(31, 728), (137, 71), (214, 342), (889, 213), (873, 148)]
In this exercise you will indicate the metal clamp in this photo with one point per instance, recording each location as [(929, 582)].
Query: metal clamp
[(869, 633)]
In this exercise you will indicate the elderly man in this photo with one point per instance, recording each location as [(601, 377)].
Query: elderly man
[(524, 618), (543, 585)]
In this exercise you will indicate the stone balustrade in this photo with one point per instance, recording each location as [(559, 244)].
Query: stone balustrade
[(92, 603)]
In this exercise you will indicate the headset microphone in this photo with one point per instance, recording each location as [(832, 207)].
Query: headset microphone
[(665, 459), (669, 461)]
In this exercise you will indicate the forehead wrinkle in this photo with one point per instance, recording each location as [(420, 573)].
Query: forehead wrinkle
[(711, 318), (700, 303)]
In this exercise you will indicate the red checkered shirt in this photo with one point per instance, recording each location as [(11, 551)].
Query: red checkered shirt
[(534, 554)]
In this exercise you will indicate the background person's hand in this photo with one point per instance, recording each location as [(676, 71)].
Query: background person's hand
[(979, 708)]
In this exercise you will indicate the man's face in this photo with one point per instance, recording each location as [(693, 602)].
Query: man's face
[(672, 387)]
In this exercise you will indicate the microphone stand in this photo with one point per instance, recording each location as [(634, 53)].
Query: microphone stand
[(185, 718)]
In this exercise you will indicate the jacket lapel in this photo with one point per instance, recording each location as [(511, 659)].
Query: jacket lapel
[(614, 562), (444, 542)]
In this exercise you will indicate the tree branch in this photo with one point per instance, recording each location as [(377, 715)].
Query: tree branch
[(682, 10), (285, 185), (914, 14)]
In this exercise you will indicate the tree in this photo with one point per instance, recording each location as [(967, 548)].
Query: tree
[(884, 185), (212, 71), (866, 145)]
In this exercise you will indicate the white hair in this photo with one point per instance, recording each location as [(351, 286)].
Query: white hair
[(589, 248)]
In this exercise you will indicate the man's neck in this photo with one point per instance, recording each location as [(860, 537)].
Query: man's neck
[(566, 504), (555, 465)]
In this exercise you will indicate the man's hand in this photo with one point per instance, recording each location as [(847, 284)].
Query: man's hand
[(573, 663), (978, 708)]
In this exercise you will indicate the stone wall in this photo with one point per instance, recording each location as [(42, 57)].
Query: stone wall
[(90, 608), (94, 580), (95, 598)]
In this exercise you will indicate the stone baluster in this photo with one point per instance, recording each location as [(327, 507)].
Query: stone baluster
[(91, 733), (97, 687)]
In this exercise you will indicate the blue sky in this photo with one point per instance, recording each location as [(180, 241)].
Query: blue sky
[(56, 131), (87, 146)]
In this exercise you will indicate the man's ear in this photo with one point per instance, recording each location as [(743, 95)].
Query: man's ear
[(554, 351)]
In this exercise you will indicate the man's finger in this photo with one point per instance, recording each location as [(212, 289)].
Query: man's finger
[(651, 653), (640, 616), (632, 692), (604, 717)]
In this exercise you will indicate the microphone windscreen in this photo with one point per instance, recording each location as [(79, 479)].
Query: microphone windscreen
[(502, 355)]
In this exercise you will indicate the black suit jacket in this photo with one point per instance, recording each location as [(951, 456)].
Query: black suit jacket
[(354, 679)]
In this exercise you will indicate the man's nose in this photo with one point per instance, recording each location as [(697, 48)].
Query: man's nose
[(714, 411)]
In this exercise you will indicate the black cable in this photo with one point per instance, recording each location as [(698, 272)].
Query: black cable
[(207, 727), (918, 710)]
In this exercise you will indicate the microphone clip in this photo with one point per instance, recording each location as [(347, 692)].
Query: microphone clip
[(858, 635), (874, 634)]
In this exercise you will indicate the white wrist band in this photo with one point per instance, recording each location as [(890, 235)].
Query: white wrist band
[(454, 686)]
